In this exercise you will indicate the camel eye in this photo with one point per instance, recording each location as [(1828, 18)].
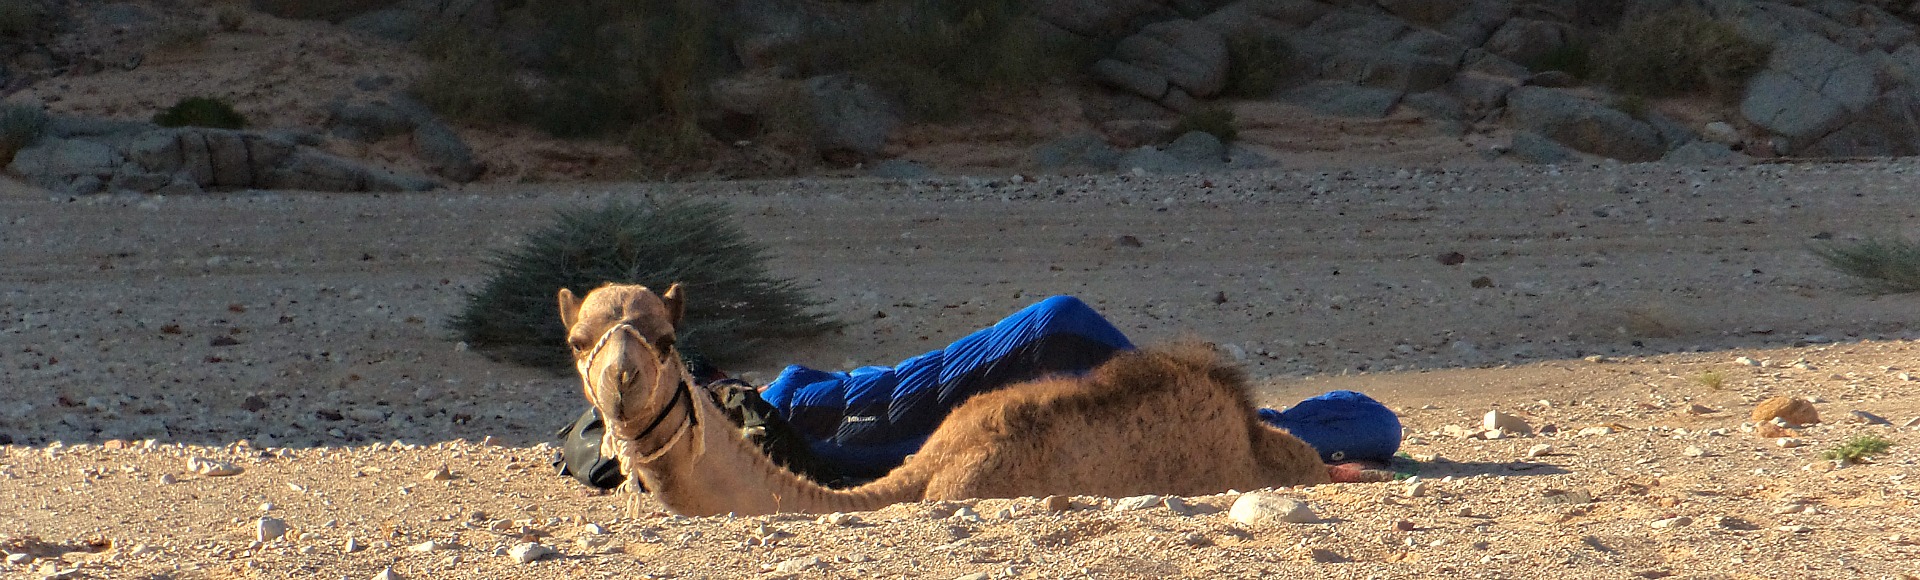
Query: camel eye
[(664, 344), (577, 345)]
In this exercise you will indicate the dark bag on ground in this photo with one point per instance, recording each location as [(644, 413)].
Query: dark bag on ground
[(580, 455)]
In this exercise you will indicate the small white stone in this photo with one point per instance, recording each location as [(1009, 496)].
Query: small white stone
[(1539, 450), (1747, 361), (797, 565), (168, 479), (269, 529), (528, 552), (427, 546), (840, 519), (387, 574), (211, 468), (1495, 420), (1693, 451), (966, 514), (1673, 522), (19, 559), (441, 474), (1138, 502), (593, 529), (1256, 508), (1789, 442), (1418, 489), (1596, 430), (352, 546)]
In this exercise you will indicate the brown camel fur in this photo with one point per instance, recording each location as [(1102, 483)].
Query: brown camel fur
[(1171, 421)]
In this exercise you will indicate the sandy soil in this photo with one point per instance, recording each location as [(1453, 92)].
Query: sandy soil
[(302, 338)]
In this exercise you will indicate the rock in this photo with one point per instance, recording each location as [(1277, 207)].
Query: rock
[(900, 169), (1746, 361), (269, 529), (1789, 442), (1495, 420), (19, 559), (1583, 125), (1552, 79), (1566, 497), (1693, 451), (427, 546), (973, 576), (1148, 160), (1673, 522), (851, 117), (445, 153), (1343, 99), (56, 163), (1539, 450), (1188, 54), (1811, 88), (1057, 503), (211, 468), (1859, 416), (1197, 147), (370, 122), (1418, 488), (1721, 132), (797, 565), (1131, 78), (392, 24), (1793, 409), (441, 474), (1399, 71), (1531, 147), (352, 545), (1261, 508), (1528, 41), (1078, 150), (1436, 105), (528, 552), (387, 574), (1425, 11), (1703, 153), (1178, 506), (841, 519), (1138, 502)]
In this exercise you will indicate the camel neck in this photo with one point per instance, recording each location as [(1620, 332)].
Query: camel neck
[(718, 472)]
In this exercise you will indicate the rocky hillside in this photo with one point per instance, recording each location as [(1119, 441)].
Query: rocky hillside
[(342, 93)]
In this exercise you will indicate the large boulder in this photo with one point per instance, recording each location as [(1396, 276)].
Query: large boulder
[(190, 159), (1188, 54), (1264, 16), (850, 117), (1528, 41), (1583, 125), (55, 163), (1344, 100), (446, 154), (1428, 12), (330, 10), (1823, 99)]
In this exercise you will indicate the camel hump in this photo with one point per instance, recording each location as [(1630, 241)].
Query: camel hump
[(1166, 366)]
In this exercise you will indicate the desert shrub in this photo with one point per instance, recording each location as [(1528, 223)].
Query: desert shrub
[(734, 305), (201, 112), (1715, 380), (939, 56), (1678, 52), (1635, 106), (1881, 266), (469, 78), (1218, 121), (20, 127), (1256, 64), (600, 68), (1859, 448)]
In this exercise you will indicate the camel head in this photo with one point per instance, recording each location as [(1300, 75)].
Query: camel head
[(622, 336)]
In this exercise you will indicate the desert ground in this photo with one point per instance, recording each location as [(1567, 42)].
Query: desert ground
[(301, 339)]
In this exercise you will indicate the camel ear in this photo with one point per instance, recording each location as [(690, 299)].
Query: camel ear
[(569, 308), (676, 305)]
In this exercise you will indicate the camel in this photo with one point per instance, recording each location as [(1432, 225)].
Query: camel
[(1172, 420)]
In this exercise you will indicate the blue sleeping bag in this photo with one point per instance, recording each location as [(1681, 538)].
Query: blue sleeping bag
[(867, 421)]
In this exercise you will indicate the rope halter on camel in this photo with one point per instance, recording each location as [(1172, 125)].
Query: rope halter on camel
[(683, 391)]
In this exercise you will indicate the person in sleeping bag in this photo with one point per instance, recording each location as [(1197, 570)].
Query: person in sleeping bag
[(843, 428)]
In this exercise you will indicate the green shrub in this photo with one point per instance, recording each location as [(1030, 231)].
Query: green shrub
[(1257, 64), (1678, 52), (201, 112), (20, 127), (734, 306), (939, 56), (1218, 121), (1880, 266), (1858, 449)]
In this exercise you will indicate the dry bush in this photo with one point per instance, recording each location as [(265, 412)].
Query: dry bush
[(20, 127), (1881, 266), (1679, 52)]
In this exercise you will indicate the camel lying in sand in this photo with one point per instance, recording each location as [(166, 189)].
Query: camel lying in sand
[(1169, 421)]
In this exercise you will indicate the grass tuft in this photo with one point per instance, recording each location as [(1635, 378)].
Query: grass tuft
[(1679, 52), (1714, 380), (201, 112), (1858, 449), (1889, 266), (734, 305)]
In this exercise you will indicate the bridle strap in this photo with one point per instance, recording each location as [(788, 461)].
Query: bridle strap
[(682, 391)]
